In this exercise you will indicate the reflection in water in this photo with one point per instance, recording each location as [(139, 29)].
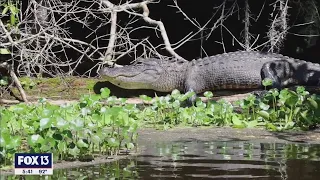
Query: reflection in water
[(205, 160), (241, 160)]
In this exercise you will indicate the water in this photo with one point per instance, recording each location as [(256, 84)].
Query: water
[(209, 160)]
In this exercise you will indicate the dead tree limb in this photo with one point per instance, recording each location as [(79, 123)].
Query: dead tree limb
[(145, 15), (113, 31)]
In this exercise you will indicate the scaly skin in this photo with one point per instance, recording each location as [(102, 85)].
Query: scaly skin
[(235, 70)]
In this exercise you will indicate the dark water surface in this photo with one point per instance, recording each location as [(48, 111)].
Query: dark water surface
[(209, 160)]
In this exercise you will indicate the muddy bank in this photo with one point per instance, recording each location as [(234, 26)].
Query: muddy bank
[(147, 136)]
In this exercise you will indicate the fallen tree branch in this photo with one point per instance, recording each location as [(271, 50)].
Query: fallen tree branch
[(6, 101)]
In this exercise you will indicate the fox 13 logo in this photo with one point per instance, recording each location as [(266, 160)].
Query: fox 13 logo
[(33, 164)]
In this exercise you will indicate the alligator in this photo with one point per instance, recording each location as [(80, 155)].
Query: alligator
[(228, 71)]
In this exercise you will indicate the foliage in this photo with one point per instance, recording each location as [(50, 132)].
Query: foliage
[(9, 9), (100, 124), (276, 110), (71, 131), (12, 10)]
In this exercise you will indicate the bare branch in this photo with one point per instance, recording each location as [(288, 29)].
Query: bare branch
[(112, 39), (145, 15)]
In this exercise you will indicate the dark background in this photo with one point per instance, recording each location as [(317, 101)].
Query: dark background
[(302, 47)]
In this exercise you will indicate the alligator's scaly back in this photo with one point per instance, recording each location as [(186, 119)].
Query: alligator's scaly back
[(236, 70)]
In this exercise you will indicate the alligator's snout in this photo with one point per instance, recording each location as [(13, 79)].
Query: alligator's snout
[(131, 77), (117, 71)]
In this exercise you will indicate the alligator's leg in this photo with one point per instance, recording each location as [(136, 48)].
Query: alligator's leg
[(195, 83), (275, 71), (191, 101), (259, 93), (279, 72), (269, 70), (192, 86)]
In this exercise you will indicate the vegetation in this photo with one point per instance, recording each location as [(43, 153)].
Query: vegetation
[(276, 111), (72, 131), (103, 124), (67, 88)]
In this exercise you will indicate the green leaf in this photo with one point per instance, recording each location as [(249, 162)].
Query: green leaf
[(96, 139), (300, 89), (61, 123), (274, 92), (189, 94), (114, 110), (145, 98), (13, 19), (292, 98), (103, 110), (85, 111), (266, 82), (271, 126), (176, 104), (105, 93), (236, 121), (264, 106), (57, 136), (67, 133), (15, 142), (48, 145), (5, 138), (13, 9), (5, 10), (42, 100), (208, 94), (113, 142), (45, 123), (35, 139), (82, 144), (107, 119), (312, 103), (200, 104), (78, 124), (129, 146), (175, 93), (74, 151), (304, 115), (296, 110), (264, 114), (289, 125), (62, 146), (252, 124), (4, 51)]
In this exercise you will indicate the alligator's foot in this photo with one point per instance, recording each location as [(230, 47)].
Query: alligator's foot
[(186, 103), (314, 127), (260, 93), (190, 101)]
